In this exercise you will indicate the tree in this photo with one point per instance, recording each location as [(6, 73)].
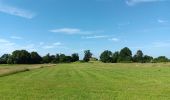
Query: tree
[(4, 58), (62, 58), (65, 59), (10, 60), (115, 57), (47, 58), (106, 56), (68, 59), (56, 58), (75, 57), (138, 57), (87, 55), (147, 59), (125, 55), (35, 58), (161, 59), (21, 57)]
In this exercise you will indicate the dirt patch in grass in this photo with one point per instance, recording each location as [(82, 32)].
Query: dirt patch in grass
[(21, 68)]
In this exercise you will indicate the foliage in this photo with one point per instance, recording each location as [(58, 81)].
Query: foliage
[(87, 55), (161, 59), (35, 58), (115, 57), (106, 56), (21, 57), (47, 58), (147, 59), (75, 57), (4, 58), (138, 57), (125, 55)]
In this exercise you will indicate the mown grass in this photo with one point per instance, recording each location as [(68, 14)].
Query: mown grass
[(89, 81), (13, 69)]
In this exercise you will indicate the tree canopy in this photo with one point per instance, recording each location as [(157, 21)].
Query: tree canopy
[(106, 56), (122, 56), (125, 55), (87, 55)]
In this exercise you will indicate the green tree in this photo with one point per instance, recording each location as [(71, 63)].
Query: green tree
[(57, 58), (35, 58), (87, 55), (4, 58), (115, 57), (10, 60), (65, 59), (125, 55), (75, 57), (68, 59), (106, 56), (21, 57), (161, 59), (62, 58), (147, 59), (47, 58), (138, 57)]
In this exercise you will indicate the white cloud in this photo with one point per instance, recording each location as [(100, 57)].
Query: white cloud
[(72, 31), (29, 47), (16, 37), (41, 43), (95, 37), (54, 45), (114, 39), (7, 46), (57, 43), (16, 11), (48, 46), (162, 21), (161, 44), (6, 42), (134, 2)]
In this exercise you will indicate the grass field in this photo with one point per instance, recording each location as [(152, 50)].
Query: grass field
[(89, 81)]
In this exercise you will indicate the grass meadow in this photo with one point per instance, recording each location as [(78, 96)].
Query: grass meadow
[(87, 81)]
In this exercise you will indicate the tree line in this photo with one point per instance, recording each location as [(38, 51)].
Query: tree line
[(122, 56), (125, 56), (25, 57)]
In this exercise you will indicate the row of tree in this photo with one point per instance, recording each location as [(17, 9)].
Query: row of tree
[(25, 57), (125, 55)]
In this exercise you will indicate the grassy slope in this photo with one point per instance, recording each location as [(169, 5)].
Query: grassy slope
[(89, 82)]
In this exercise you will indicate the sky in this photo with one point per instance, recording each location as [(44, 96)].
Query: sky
[(72, 26)]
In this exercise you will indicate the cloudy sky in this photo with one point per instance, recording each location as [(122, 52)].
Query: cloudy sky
[(68, 26)]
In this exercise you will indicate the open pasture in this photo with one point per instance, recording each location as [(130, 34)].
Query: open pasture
[(89, 81)]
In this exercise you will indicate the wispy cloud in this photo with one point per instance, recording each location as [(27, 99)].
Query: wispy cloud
[(162, 21), (153, 45), (134, 2), (8, 46), (114, 39), (16, 37), (72, 31), (53, 45), (16, 11), (161, 44), (6, 42), (95, 37)]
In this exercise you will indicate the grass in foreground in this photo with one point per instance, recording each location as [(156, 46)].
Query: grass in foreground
[(89, 81)]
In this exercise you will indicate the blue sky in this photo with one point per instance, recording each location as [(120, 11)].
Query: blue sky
[(68, 26)]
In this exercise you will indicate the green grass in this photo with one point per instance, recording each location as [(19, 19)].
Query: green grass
[(89, 81)]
